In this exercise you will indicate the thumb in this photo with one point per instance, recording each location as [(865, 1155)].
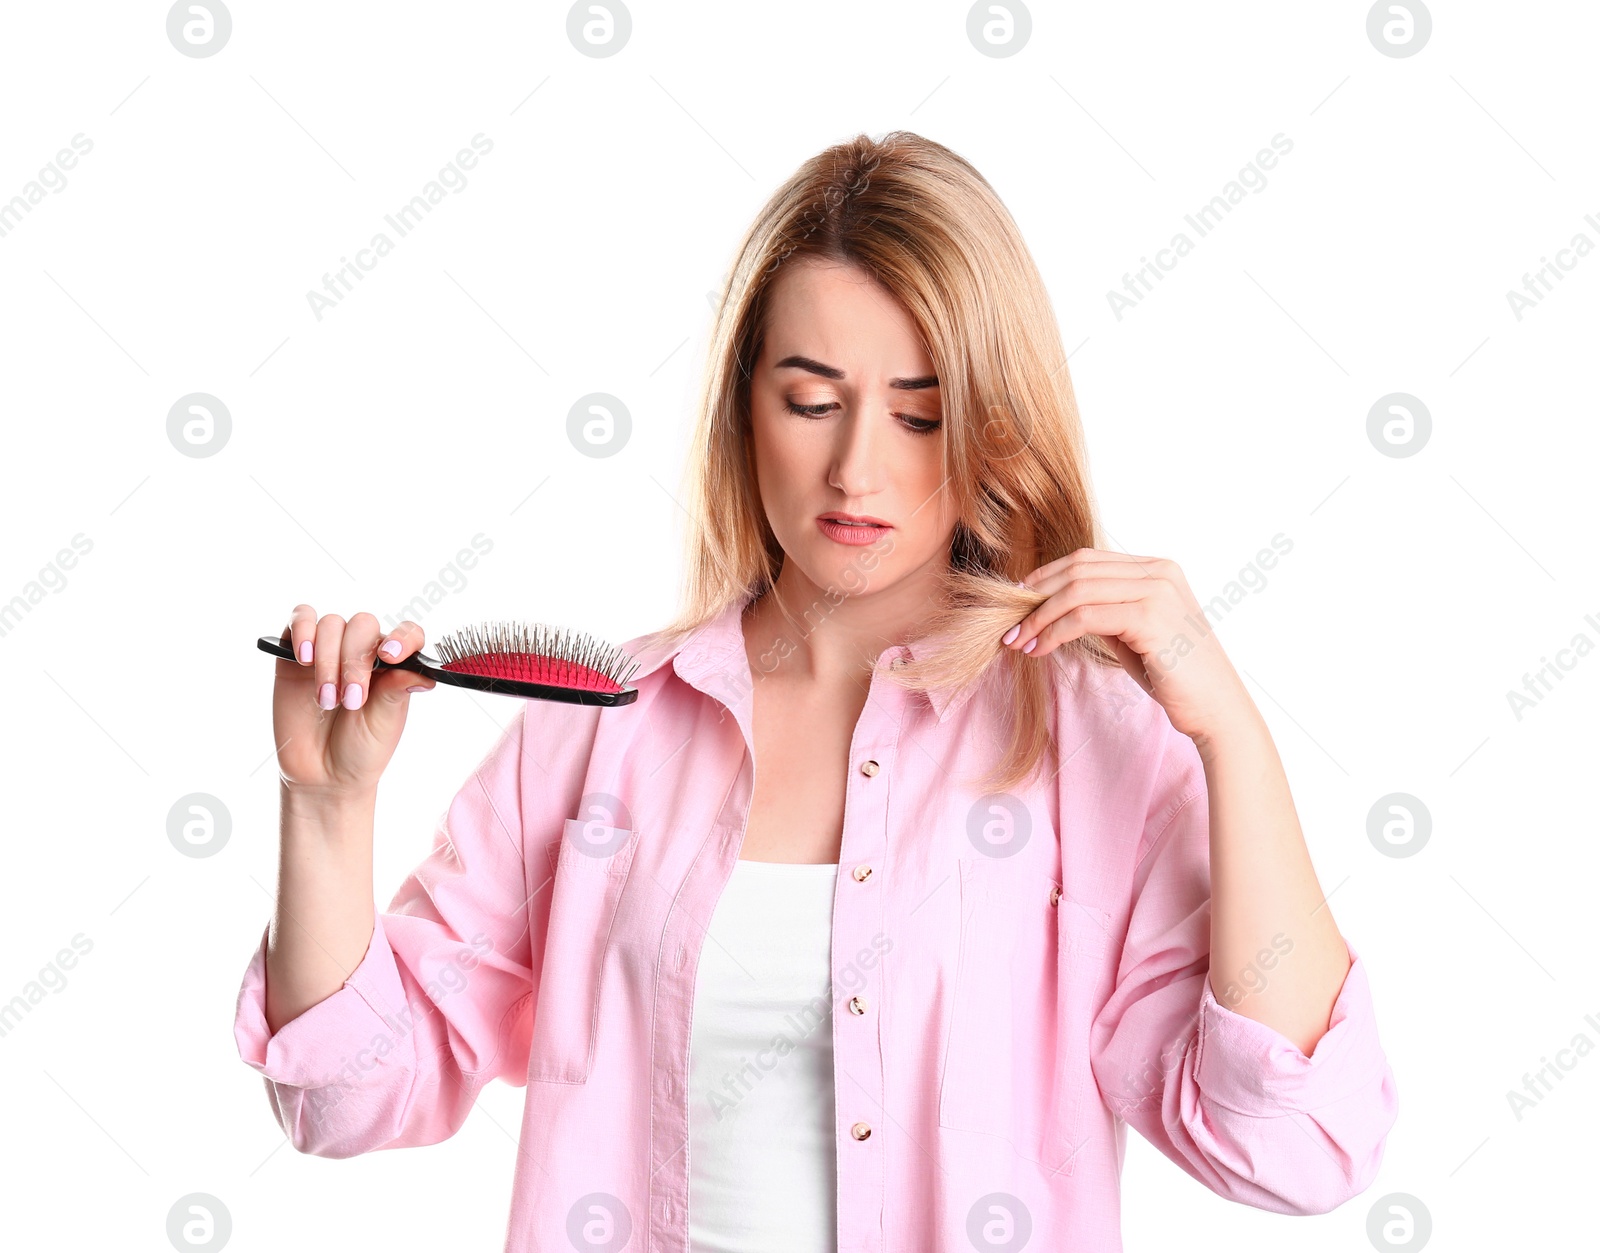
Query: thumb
[(390, 696)]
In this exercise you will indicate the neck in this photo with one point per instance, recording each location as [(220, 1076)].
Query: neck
[(810, 634)]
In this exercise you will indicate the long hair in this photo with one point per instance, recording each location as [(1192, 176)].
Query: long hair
[(932, 231)]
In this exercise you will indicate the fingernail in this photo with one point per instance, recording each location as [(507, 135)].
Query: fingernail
[(417, 687), (1011, 634), (391, 648), (1028, 647), (352, 696), (326, 697), (305, 652), (1022, 585)]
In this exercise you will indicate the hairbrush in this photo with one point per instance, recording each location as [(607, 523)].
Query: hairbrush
[(529, 660)]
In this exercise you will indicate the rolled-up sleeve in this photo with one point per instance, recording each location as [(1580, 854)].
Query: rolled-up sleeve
[(1231, 1100), (441, 1002)]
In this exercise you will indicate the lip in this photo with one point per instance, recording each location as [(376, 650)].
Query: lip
[(854, 535), (849, 519)]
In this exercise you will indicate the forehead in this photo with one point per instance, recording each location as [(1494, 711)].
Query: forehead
[(842, 315)]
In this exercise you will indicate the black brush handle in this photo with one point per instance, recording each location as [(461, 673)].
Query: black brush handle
[(421, 663)]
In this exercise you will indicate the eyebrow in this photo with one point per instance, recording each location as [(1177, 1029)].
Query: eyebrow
[(832, 372)]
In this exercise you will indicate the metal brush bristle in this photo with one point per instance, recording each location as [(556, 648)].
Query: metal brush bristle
[(537, 639)]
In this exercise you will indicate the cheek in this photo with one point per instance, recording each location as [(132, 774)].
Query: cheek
[(779, 463), (927, 484), (761, 447), (782, 451)]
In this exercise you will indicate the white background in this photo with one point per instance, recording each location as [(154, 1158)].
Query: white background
[(369, 447)]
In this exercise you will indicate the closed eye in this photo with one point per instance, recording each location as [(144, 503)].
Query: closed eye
[(917, 426)]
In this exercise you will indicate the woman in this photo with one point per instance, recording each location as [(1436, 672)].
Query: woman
[(992, 792)]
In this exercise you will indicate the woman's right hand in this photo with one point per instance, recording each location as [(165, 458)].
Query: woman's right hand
[(336, 724)]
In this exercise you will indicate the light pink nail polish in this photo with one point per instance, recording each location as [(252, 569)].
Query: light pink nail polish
[(418, 687), (1011, 634), (326, 697), (391, 648), (305, 651), (1028, 647), (352, 696)]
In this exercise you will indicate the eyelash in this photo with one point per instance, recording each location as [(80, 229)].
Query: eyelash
[(809, 411)]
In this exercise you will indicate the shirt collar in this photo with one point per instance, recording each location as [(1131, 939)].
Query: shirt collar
[(712, 659)]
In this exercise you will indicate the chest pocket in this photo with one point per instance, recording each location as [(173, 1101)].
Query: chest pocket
[(590, 873), (1010, 1069)]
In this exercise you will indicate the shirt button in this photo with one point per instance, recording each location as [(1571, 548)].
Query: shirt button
[(1055, 893), (861, 1131), (869, 768), (862, 873), (857, 1005)]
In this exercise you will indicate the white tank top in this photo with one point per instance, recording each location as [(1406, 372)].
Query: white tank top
[(761, 1111)]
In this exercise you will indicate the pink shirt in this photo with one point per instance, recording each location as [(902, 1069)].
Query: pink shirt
[(1016, 978)]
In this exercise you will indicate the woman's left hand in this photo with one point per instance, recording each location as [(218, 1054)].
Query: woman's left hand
[(1144, 609)]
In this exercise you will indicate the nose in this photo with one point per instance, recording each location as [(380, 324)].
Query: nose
[(858, 469)]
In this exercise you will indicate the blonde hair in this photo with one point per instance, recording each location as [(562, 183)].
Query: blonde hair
[(932, 231)]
